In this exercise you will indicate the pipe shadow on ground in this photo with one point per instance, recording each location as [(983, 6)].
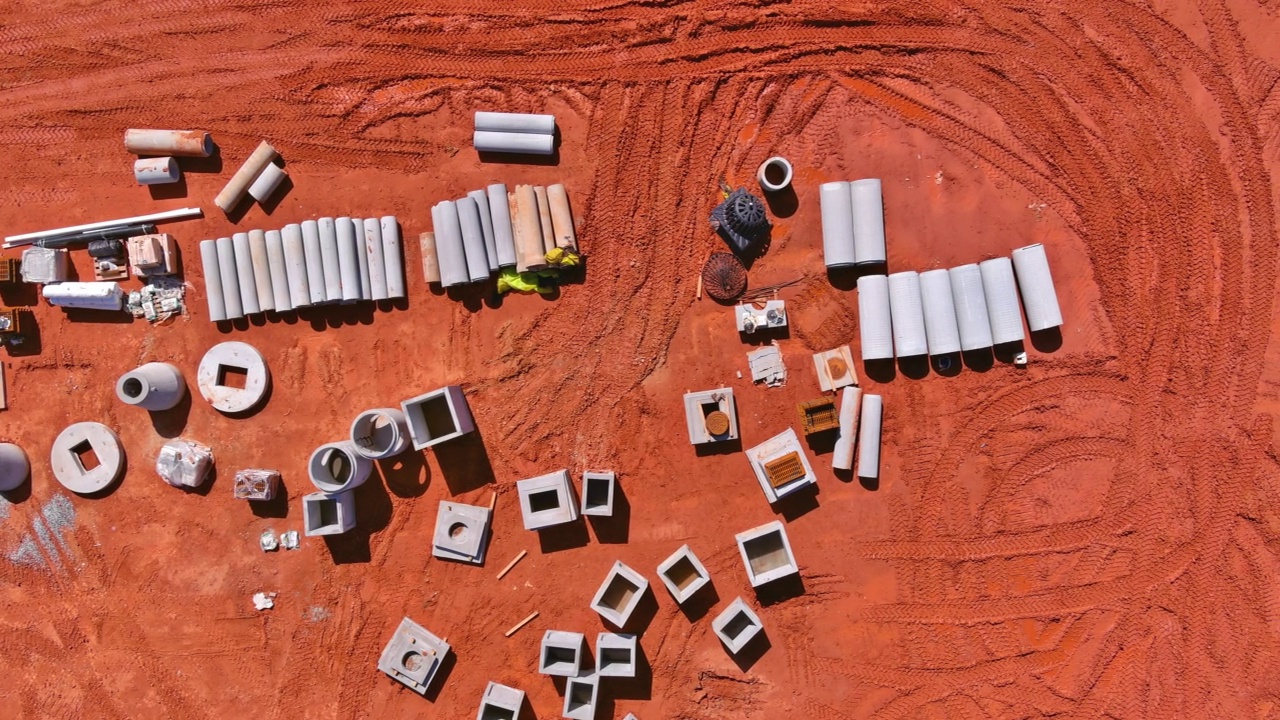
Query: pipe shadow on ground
[(373, 514), (464, 463), (170, 423), (1048, 340), (780, 590), (754, 650), (639, 687), (798, 503), (613, 529), (407, 474), (697, 607), (563, 537)]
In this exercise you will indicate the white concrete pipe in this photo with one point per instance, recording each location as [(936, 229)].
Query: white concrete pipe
[(362, 259), (261, 270), (245, 176), (1039, 299), (869, 436), (212, 281), (472, 239), (87, 295), (837, 224), (842, 456), (267, 182), (486, 227), (295, 266), (377, 260), (566, 237), (348, 259), (1001, 292), (244, 274), (15, 468), (515, 123), (908, 314), (500, 210), (230, 278), (875, 322), (971, 307), (329, 260), (392, 255), (380, 433), (315, 264), (337, 467), (156, 171), (544, 219), (449, 250), (155, 386), (523, 143), (183, 143), (939, 313), (868, 221), (774, 174), (279, 275), (430, 265)]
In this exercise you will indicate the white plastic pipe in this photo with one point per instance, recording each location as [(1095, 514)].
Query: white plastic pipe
[(156, 171), (261, 270), (187, 143), (939, 313), (1039, 299), (869, 436), (486, 227), (842, 456), (500, 210), (244, 274), (1001, 292), (524, 143), (837, 224), (295, 265), (267, 182), (868, 221), (279, 275), (971, 307), (516, 123), (908, 314), (315, 264), (392, 256), (86, 295), (362, 259), (230, 278), (377, 259), (449, 251), (212, 280), (348, 259), (875, 318), (472, 239), (329, 261), (774, 174), (153, 218)]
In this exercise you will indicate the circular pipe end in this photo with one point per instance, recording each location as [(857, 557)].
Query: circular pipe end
[(774, 174)]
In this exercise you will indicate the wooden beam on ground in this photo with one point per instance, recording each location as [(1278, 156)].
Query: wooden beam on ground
[(512, 564), (521, 624)]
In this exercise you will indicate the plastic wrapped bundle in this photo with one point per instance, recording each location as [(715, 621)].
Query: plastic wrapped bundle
[(256, 484), (184, 463)]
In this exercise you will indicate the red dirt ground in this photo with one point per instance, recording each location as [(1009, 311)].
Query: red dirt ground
[(1097, 535)]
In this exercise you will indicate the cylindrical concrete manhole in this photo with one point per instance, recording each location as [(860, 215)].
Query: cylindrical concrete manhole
[(337, 467)]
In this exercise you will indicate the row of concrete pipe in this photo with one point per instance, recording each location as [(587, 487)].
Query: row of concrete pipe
[(966, 308), (525, 133), (852, 223), (342, 260), (477, 235)]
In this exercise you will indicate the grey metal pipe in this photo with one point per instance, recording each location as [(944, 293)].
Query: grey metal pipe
[(472, 239)]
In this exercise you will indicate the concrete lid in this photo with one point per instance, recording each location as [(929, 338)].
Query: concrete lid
[(68, 467), (234, 355)]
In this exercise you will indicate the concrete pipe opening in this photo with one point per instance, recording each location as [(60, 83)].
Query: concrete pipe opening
[(774, 174), (380, 433), (337, 467)]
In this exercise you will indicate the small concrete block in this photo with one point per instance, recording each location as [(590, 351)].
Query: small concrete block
[(736, 626), (784, 443), (256, 484), (413, 656), (683, 574), (766, 553), (87, 457), (698, 405), (561, 653), (233, 377), (619, 594), (547, 500), (462, 532), (500, 703), (438, 416), (597, 492), (580, 695), (325, 514), (835, 368), (1020, 360), (617, 655)]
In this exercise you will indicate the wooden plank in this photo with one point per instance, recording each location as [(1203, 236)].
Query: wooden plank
[(4, 390), (521, 624), (512, 564)]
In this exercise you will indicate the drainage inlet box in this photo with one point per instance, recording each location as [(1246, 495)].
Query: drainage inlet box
[(413, 656), (766, 552), (438, 416), (547, 500)]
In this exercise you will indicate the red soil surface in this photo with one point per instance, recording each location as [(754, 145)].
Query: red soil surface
[(1095, 535)]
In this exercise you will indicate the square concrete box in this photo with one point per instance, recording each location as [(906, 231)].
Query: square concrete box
[(767, 553), (325, 514), (561, 653), (462, 532), (736, 626), (580, 694), (780, 465), (683, 574), (413, 656), (711, 416), (597, 492), (439, 416), (547, 500), (616, 655), (500, 703), (619, 594), (835, 368)]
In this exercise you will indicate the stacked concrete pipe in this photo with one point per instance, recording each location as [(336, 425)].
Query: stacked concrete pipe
[(515, 133)]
